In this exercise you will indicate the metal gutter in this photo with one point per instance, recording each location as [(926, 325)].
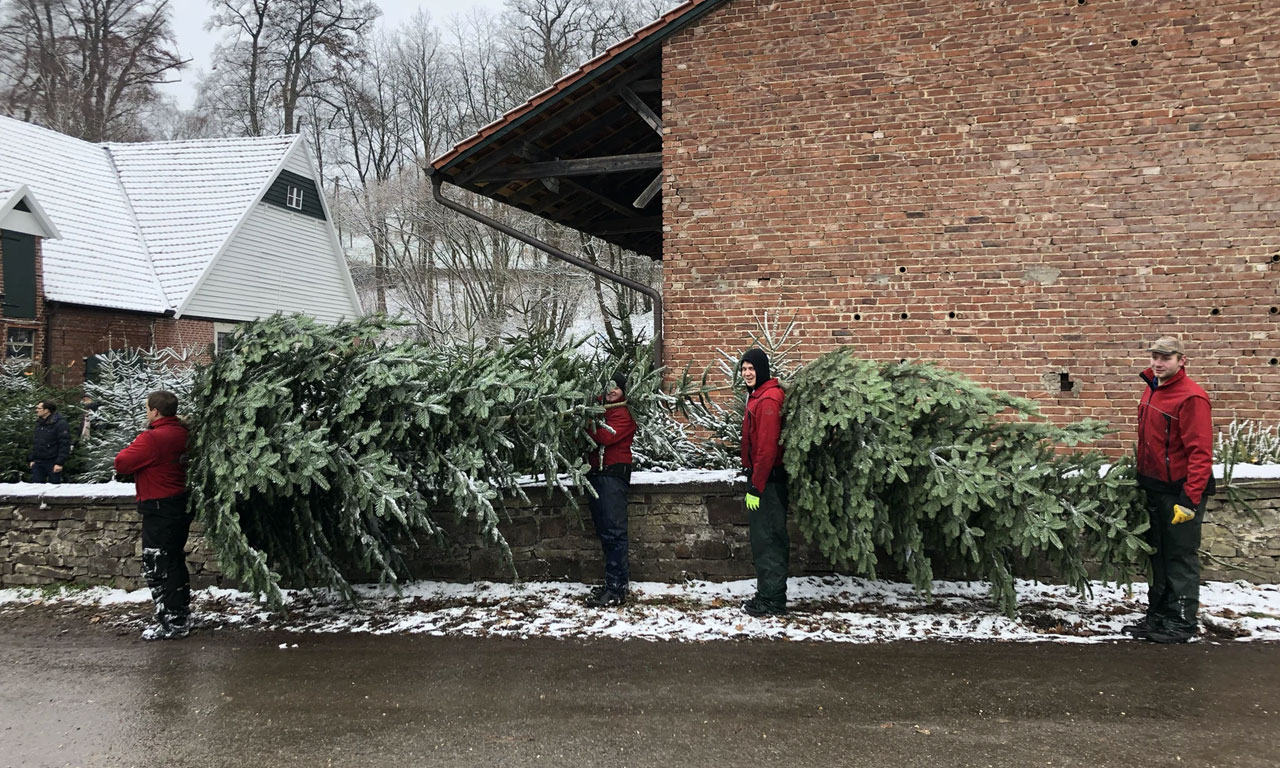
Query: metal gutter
[(437, 179)]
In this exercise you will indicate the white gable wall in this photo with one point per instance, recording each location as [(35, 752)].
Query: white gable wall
[(297, 163), (278, 261)]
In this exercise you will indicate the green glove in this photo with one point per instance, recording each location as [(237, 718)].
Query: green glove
[(753, 502)]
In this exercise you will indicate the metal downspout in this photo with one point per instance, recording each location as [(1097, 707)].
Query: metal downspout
[(437, 180)]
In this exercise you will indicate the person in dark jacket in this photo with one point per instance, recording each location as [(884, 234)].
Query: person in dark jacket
[(1175, 469), (50, 445), (610, 477), (767, 497), (157, 459)]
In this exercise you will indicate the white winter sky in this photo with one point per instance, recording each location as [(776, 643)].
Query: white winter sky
[(194, 42)]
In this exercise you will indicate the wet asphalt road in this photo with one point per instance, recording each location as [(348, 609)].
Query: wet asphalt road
[(85, 696)]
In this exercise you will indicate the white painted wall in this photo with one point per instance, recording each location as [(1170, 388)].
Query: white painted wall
[(297, 163), (278, 261)]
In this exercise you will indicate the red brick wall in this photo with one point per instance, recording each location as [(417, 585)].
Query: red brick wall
[(78, 332), (38, 323), (1014, 189)]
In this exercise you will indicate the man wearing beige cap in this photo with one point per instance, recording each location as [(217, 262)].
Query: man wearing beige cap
[(1175, 468)]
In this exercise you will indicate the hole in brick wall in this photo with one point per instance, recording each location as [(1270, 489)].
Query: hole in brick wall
[(1215, 311), (1275, 258), (1065, 383), (904, 316), (857, 317), (1081, 2), (951, 315), (1133, 41), (1274, 361), (1275, 310), (902, 269)]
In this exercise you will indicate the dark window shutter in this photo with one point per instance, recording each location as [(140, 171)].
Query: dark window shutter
[(19, 251)]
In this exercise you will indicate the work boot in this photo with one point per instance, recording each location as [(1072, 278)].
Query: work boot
[(1170, 636), (1141, 630), (164, 630), (757, 607), (606, 598)]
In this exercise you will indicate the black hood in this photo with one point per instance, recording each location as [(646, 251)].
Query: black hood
[(760, 361)]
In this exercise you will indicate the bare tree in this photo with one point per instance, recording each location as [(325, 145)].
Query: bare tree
[(241, 85), (88, 68), (278, 54)]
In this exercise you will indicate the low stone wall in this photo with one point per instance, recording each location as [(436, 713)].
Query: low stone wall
[(688, 530)]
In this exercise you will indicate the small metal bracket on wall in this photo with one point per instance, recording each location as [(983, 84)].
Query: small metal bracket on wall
[(437, 180)]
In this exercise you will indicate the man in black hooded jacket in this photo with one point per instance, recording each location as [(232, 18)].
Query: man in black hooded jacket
[(50, 445)]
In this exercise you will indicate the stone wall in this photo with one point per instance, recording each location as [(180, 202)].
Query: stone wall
[(694, 530)]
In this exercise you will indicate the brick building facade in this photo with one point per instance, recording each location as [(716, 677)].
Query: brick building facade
[(1024, 191), (76, 333)]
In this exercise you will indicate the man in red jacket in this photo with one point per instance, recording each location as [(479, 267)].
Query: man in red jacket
[(1175, 469), (767, 498), (157, 459), (610, 477)]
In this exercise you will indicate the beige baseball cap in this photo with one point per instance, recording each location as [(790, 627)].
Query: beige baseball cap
[(1166, 345)]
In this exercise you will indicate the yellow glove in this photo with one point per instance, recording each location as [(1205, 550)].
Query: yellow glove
[(753, 502), (1182, 514)]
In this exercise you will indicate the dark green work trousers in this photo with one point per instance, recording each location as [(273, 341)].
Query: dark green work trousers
[(1173, 598), (770, 545)]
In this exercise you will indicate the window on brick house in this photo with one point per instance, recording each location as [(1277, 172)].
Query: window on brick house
[(294, 197), (222, 335), (20, 343)]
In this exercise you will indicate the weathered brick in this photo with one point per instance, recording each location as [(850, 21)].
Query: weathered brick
[(824, 158)]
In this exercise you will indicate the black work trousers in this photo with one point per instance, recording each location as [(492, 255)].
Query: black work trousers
[(770, 542), (165, 525), (1173, 598)]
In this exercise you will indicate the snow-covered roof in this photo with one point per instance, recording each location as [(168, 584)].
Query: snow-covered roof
[(187, 197), (139, 222)]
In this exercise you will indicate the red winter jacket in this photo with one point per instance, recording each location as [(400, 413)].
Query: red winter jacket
[(1175, 434), (761, 430), (614, 438), (157, 459)]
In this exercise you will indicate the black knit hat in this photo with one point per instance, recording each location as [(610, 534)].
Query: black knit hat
[(620, 378), (760, 361)]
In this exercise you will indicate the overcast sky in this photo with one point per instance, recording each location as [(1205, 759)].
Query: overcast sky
[(189, 17)]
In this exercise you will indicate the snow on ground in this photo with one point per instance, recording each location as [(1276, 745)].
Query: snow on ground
[(823, 609)]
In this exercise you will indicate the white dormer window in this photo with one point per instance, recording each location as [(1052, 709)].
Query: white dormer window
[(294, 198)]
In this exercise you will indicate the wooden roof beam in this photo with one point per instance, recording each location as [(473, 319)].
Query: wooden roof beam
[(642, 109), (584, 166)]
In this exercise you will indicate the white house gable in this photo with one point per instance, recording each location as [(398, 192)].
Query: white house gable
[(284, 257)]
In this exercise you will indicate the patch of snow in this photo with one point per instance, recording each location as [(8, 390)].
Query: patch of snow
[(823, 609), (112, 490), (677, 477)]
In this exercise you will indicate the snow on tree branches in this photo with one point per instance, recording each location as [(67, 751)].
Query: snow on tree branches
[(325, 449), (927, 467)]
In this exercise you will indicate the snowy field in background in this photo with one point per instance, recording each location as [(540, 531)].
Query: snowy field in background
[(823, 609)]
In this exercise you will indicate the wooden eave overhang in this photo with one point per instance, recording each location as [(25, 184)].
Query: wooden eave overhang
[(586, 152)]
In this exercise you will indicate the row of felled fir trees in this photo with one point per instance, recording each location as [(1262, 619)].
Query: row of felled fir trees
[(319, 451)]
